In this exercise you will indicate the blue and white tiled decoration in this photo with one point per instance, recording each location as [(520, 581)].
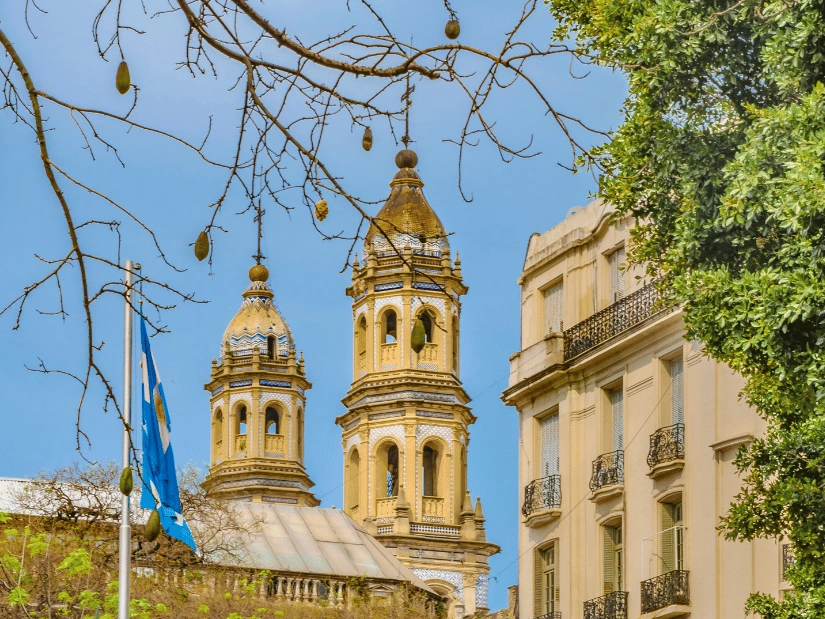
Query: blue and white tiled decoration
[(244, 344), (456, 579), (435, 245), (482, 589)]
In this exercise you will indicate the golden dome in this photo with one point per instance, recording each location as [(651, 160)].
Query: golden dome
[(257, 320), (406, 217)]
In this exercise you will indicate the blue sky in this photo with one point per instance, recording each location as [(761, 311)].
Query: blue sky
[(170, 188)]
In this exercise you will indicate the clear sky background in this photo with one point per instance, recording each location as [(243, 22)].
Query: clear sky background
[(170, 188)]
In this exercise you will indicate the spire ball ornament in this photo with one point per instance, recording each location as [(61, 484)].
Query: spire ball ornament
[(258, 273), (406, 158)]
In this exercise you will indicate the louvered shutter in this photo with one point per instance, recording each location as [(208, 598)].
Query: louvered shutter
[(617, 404), (616, 276), (554, 308), (538, 574), (667, 538), (677, 390), (609, 559), (550, 445)]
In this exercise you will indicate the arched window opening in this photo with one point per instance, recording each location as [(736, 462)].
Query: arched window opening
[(354, 483), (427, 319), (299, 418), (463, 487), (392, 471), (429, 471), (217, 433), (242, 420), (455, 344), (271, 347), (361, 342), (390, 327), (272, 421)]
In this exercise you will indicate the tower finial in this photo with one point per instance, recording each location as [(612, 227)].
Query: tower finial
[(407, 96), (259, 216)]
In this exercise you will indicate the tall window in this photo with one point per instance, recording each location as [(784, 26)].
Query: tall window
[(672, 537), (546, 586), (389, 328), (354, 483), (242, 420), (617, 259), (550, 445), (428, 321), (270, 346), (429, 471), (613, 559), (361, 337), (677, 391), (273, 421), (392, 471), (554, 309), (217, 433), (455, 345), (617, 417)]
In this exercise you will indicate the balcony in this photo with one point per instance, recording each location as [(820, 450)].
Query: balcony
[(542, 501), (668, 590), (610, 606), (385, 508), (555, 615), (362, 363), (240, 445), (274, 444), (607, 479), (428, 357), (667, 450), (432, 509), (389, 356), (617, 318)]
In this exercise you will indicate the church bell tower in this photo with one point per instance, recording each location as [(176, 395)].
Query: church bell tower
[(406, 429), (257, 406)]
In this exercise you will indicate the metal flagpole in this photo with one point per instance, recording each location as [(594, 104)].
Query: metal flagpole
[(125, 548)]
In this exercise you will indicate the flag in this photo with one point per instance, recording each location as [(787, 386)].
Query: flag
[(160, 483)]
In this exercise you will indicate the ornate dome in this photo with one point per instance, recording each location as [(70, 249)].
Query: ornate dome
[(406, 217), (257, 320)]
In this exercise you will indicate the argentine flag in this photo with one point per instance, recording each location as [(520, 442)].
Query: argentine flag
[(160, 484)]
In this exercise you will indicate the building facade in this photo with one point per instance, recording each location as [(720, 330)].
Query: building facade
[(628, 434), (406, 430)]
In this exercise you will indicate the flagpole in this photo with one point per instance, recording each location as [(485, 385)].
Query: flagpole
[(125, 548)]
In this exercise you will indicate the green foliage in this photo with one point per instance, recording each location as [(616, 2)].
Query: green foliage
[(720, 159), (78, 562)]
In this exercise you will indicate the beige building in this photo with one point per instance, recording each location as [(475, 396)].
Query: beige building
[(406, 431), (628, 434)]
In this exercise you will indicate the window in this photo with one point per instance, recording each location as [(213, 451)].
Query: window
[(427, 319), (273, 421), (455, 345), (546, 590), (554, 309), (217, 433), (361, 337), (550, 444), (354, 483), (242, 420), (270, 346), (392, 471), (429, 471), (617, 417), (617, 259), (672, 537), (613, 559), (677, 391), (390, 328)]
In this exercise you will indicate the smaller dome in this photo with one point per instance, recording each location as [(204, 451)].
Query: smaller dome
[(257, 320)]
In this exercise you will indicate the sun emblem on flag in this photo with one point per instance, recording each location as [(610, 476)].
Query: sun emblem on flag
[(159, 410)]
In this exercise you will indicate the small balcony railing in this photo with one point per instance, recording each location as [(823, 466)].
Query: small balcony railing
[(787, 560), (385, 508), (610, 606), (608, 470), (555, 615), (240, 443), (669, 588), (667, 444), (432, 508), (618, 317), (389, 354), (274, 443), (428, 355), (540, 494)]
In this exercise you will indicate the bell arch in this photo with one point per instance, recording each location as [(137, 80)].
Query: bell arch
[(387, 458), (217, 435), (353, 485)]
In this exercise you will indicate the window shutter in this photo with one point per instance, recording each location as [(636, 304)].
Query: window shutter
[(617, 404), (538, 569), (550, 445), (554, 309), (616, 276), (667, 538), (677, 390), (609, 553)]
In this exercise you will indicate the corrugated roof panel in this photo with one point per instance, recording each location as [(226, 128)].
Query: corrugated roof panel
[(346, 529)]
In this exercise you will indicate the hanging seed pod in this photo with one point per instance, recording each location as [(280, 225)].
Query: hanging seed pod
[(126, 481), (452, 29), (152, 526), (122, 80), (202, 246), (366, 141), (321, 209), (419, 336)]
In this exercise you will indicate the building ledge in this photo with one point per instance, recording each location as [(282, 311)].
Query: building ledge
[(542, 517), (608, 493), (666, 468), (674, 610), (736, 441)]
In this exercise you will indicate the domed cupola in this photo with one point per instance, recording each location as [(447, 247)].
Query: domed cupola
[(406, 218), (258, 323)]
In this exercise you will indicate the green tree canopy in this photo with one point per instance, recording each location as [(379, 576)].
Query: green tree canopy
[(720, 159)]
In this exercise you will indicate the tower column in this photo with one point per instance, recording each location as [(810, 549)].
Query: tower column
[(412, 469)]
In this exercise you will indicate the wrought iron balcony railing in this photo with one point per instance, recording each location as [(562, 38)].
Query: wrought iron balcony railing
[(555, 615), (610, 606), (787, 560), (544, 493), (608, 470), (669, 588), (622, 315), (667, 444)]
